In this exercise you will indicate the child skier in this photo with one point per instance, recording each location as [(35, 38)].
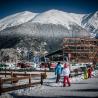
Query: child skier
[(89, 72), (85, 73), (66, 73)]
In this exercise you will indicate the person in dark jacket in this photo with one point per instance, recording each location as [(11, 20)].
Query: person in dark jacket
[(58, 69)]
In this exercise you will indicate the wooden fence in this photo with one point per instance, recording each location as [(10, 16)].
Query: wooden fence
[(15, 77)]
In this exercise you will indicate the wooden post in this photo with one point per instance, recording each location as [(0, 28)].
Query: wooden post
[(30, 79), (25, 72), (0, 85), (45, 71), (41, 79), (5, 71), (12, 77)]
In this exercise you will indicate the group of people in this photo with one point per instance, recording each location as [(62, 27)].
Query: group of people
[(88, 72), (64, 72)]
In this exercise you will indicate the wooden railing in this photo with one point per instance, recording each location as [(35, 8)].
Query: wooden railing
[(15, 77)]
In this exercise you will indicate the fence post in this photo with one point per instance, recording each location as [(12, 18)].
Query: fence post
[(30, 79), (0, 85), (41, 79), (11, 77)]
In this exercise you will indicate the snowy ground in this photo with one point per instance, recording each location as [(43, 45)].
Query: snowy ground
[(52, 89)]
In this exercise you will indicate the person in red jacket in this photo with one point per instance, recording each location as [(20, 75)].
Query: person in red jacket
[(89, 72)]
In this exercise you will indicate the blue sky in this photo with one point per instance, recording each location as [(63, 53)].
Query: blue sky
[(8, 7)]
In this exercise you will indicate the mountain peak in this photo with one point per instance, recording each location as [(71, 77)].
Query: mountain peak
[(54, 10), (96, 14), (58, 17), (26, 12), (16, 19)]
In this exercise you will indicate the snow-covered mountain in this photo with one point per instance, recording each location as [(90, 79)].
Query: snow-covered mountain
[(58, 17), (90, 22), (51, 16), (50, 26), (52, 21), (16, 19)]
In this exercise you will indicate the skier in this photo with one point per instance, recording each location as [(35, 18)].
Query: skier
[(89, 71), (85, 73), (58, 72), (66, 73)]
